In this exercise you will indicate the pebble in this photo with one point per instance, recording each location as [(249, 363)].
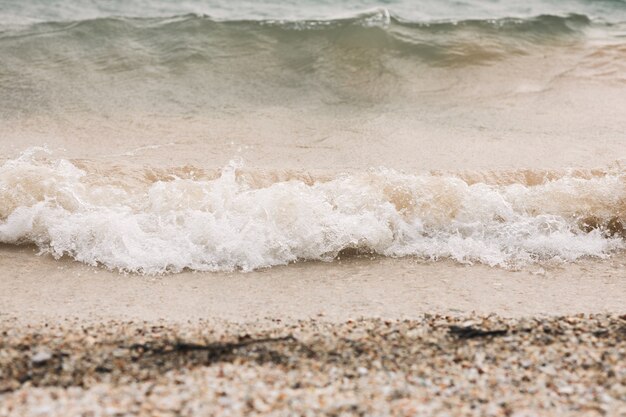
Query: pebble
[(41, 356)]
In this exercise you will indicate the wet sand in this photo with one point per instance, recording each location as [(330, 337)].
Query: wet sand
[(35, 288)]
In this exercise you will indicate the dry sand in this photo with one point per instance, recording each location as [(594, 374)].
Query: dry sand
[(435, 366)]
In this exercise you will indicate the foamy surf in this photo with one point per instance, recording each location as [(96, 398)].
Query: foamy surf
[(235, 221)]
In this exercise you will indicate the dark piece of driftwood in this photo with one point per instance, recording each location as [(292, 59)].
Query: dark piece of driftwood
[(214, 350), (469, 332)]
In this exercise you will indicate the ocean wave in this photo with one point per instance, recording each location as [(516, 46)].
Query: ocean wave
[(379, 17), (159, 221), (28, 11), (201, 37)]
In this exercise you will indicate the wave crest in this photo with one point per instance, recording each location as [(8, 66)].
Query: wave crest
[(204, 38)]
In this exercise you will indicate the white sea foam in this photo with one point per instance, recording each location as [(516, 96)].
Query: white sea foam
[(227, 223)]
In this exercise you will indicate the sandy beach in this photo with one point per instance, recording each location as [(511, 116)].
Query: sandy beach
[(435, 365), (312, 208), (352, 337)]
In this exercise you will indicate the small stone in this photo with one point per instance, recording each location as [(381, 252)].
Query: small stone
[(41, 356)]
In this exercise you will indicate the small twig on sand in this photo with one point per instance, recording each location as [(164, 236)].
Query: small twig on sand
[(213, 349), (470, 332)]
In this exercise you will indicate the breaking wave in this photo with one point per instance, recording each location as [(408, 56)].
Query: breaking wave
[(158, 221)]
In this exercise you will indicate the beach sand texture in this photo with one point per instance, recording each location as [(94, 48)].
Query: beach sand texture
[(436, 365), (312, 208)]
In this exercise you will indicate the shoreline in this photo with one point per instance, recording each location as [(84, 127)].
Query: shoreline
[(358, 336), (36, 289)]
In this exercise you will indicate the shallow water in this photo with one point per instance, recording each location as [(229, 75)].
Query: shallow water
[(221, 136)]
